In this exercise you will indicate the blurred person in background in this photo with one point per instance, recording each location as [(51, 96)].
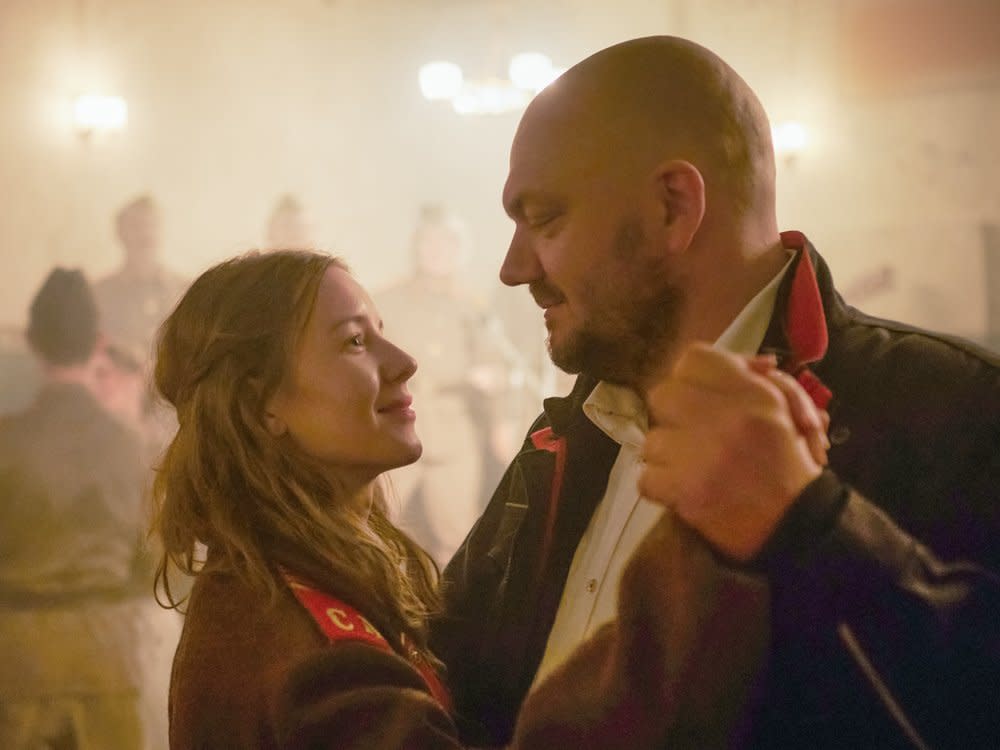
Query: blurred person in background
[(517, 331), (288, 226), (83, 652), (19, 371), (134, 299), (432, 315), (307, 623), (123, 388)]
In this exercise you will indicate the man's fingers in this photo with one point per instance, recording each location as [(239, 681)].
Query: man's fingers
[(762, 363), (707, 371), (809, 421), (713, 369)]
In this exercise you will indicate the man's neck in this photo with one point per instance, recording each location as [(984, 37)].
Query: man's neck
[(722, 283), (80, 374), (141, 269)]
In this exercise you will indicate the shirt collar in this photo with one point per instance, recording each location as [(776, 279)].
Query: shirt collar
[(619, 412), (746, 333)]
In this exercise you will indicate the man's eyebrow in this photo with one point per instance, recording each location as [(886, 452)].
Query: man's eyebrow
[(516, 206)]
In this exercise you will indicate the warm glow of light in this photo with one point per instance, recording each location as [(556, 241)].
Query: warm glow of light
[(491, 98), (95, 112), (789, 137), (532, 71), (528, 73), (440, 80)]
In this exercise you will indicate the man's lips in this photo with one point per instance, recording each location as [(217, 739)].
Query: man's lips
[(545, 296)]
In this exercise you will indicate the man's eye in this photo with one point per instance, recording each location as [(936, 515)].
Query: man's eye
[(543, 221), (357, 340)]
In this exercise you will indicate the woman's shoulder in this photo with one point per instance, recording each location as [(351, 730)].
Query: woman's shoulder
[(276, 668), (234, 632), (234, 653)]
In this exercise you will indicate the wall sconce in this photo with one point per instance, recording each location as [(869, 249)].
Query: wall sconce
[(528, 73), (95, 113), (790, 139)]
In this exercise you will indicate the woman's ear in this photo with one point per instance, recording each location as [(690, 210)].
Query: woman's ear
[(272, 408), (272, 419), (681, 193), (275, 424)]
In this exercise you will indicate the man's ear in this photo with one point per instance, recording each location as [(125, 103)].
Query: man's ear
[(681, 193)]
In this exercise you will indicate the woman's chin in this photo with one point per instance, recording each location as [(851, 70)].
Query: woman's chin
[(412, 453)]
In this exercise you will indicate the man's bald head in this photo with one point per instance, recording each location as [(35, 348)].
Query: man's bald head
[(656, 98)]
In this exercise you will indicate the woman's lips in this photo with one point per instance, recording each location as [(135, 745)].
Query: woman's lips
[(401, 407)]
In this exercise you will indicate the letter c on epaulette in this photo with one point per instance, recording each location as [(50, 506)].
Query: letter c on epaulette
[(337, 617)]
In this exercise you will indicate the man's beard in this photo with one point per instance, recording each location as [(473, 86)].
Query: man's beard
[(635, 325)]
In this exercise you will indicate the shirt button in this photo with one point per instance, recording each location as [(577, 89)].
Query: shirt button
[(591, 585), (840, 435)]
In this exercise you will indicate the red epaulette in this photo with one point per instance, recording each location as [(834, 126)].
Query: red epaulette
[(339, 621)]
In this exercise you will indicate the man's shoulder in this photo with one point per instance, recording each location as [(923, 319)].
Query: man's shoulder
[(110, 282), (892, 345), (898, 374)]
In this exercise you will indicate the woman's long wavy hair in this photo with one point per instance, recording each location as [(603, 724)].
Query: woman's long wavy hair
[(255, 501)]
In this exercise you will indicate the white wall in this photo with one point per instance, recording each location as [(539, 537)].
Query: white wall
[(233, 102)]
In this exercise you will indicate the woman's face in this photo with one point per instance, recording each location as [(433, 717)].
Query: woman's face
[(344, 399)]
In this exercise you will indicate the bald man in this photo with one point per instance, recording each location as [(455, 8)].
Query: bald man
[(641, 188)]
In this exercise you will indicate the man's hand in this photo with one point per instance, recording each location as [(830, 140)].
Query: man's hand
[(732, 442)]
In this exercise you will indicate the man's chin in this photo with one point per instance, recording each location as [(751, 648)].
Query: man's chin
[(591, 356), (566, 355)]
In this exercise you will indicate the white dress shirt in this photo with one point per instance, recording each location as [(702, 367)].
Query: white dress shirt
[(622, 518)]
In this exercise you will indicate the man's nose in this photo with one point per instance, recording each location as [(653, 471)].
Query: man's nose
[(520, 265)]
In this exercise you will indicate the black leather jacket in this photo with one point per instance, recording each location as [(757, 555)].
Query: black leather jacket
[(885, 574)]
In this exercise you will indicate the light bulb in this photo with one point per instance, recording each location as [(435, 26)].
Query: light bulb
[(96, 112), (440, 80), (531, 71), (789, 137)]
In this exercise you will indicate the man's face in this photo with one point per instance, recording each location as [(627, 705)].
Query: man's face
[(140, 234), (584, 243)]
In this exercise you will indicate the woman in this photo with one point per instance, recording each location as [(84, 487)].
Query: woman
[(306, 625), (290, 406)]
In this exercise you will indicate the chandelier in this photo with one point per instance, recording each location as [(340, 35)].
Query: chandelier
[(527, 74)]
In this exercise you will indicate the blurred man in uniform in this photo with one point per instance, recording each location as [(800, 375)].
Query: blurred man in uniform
[(135, 299), (432, 317), (288, 226), (80, 633)]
